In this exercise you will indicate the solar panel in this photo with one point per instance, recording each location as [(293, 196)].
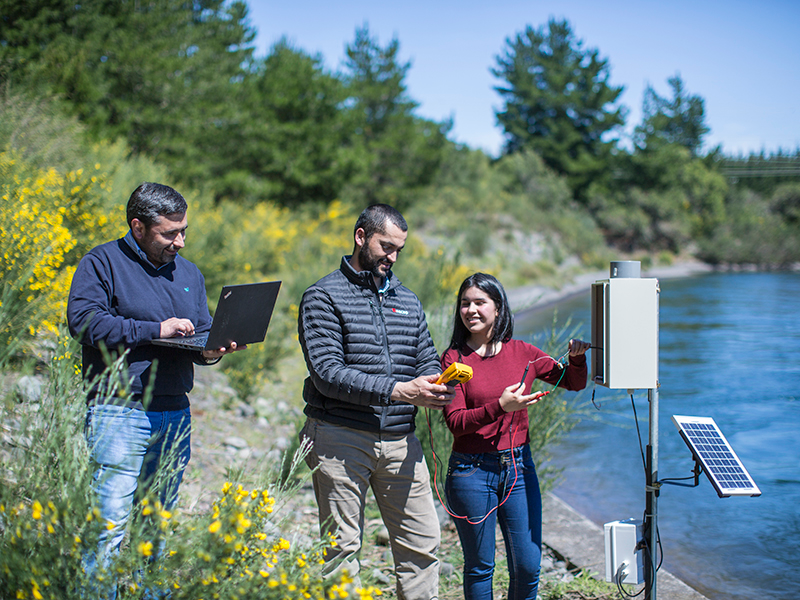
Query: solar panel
[(710, 448)]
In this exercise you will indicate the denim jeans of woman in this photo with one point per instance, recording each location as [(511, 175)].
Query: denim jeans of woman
[(493, 488), (128, 447)]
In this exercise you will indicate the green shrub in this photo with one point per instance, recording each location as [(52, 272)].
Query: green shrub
[(558, 414), (46, 516)]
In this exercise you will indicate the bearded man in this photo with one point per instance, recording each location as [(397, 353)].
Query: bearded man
[(371, 363)]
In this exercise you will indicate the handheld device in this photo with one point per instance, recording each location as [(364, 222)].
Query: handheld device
[(455, 373)]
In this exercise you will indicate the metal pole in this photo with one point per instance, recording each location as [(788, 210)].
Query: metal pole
[(651, 501), (651, 488)]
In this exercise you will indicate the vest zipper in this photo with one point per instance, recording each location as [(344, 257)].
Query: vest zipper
[(384, 334)]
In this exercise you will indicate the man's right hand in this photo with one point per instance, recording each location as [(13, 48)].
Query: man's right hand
[(424, 392), (174, 327)]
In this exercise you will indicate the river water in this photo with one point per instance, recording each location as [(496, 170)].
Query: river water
[(729, 348)]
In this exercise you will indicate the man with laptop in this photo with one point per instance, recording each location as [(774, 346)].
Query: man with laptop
[(124, 295)]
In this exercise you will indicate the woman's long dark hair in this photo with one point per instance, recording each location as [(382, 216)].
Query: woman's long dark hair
[(503, 323)]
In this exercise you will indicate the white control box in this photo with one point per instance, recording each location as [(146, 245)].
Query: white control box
[(625, 333), (624, 562)]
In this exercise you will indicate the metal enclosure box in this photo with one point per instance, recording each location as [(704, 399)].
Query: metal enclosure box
[(624, 560), (625, 333)]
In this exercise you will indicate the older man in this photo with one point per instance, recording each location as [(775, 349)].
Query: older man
[(124, 294)]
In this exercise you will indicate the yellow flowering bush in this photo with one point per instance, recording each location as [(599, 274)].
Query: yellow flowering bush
[(234, 243), (46, 219), (232, 556), (33, 245), (43, 542), (233, 552)]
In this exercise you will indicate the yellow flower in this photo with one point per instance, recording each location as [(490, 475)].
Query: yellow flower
[(242, 523), (145, 548), (37, 510), (214, 527)]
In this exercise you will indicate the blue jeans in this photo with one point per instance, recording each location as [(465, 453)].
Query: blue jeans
[(128, 446), (476, 485)]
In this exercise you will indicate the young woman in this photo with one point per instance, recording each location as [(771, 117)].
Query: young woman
[(491, 475)]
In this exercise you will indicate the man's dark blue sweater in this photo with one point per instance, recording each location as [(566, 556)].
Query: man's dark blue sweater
[(118, 300)]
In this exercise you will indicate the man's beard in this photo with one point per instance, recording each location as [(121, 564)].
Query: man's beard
[(372, 264)]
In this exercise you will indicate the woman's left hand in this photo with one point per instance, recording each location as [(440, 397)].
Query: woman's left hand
[(578, 347)]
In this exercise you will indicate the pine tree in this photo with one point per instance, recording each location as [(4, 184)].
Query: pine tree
[(558, 102)]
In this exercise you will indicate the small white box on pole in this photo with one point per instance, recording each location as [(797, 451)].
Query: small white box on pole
[(624, 558)]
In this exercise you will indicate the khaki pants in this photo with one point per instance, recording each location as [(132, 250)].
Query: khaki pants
[(350, 461)]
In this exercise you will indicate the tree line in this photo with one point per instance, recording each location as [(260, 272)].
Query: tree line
[(179, 83)]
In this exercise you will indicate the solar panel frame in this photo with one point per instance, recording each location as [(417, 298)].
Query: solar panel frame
[(719, 461)]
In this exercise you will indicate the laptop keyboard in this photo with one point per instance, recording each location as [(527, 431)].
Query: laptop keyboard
[(198, 341)]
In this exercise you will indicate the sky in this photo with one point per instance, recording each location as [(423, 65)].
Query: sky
[(741, 56)]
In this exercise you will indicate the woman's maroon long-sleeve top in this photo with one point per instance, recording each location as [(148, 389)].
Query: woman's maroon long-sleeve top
[(475, 417)]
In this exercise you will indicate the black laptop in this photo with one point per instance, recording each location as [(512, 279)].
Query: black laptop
[(242, 316)]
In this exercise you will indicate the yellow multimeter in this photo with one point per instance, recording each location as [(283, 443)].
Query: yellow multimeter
[(456, 373)]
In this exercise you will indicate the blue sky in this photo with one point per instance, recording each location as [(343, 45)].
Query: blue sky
[(741, 57)]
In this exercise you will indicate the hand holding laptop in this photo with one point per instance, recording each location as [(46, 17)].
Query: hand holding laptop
[(212, 354)]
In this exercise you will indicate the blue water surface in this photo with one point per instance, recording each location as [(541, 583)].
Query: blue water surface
[(729, 348)]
